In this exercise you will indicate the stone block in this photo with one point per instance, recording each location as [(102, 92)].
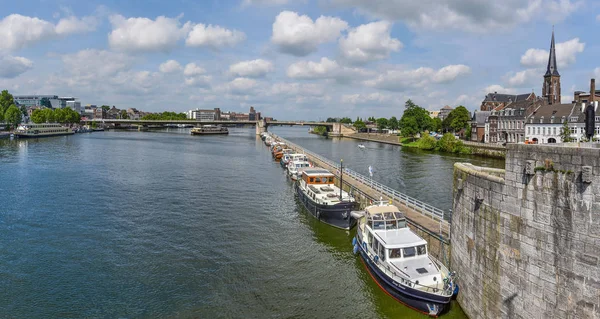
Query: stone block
[(529, 167), (586, 174)]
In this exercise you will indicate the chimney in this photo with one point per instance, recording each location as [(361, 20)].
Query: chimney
[(592, 90)]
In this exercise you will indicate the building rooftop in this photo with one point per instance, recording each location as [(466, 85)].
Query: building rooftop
[(546, 112)]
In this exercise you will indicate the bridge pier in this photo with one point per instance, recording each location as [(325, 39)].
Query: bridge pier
[(261, 126)]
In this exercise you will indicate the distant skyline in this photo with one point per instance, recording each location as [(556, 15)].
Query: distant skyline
[(295, 59)]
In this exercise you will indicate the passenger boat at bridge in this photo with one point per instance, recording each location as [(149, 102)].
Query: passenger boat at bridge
[(325, 201), (399, 262), (209, 130), (42, 130)]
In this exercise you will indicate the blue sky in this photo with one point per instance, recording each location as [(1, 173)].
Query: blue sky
[(294, 59)]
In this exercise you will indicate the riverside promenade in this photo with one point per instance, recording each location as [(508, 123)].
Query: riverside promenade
[(427, 220)]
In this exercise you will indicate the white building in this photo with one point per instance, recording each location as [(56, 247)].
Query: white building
[(204, 115), (74, 105), (545, 124)]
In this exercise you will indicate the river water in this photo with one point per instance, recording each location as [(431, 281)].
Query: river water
[(168, 225)]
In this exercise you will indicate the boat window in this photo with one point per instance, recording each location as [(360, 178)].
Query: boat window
[(370, 238), (421, 250), (402, 223), (375, 246), (331, 179), (381, 252), (391, 224), (409, 252), (395, 253), (324, 180), (378, 225), (312, 179)]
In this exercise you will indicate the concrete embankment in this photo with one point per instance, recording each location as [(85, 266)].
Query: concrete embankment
[(380, 138)]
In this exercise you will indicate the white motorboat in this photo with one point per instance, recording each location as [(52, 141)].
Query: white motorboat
[(361, 146), (295, 168), (398, 260)]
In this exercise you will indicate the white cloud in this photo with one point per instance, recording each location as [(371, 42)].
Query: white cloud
[(294, 89), (369, 42), (402, 79), (198, 81), (299, 35), (497, 88), (240, 86), (13, 66), (252, 69), (144, 35), (566, 53), (265, 2), (367, 99), (94, 64), (468, 15), (17, 31), (72, 24), (529, 77), (192, 69), (170, 66), (325, 69), (214, 37)]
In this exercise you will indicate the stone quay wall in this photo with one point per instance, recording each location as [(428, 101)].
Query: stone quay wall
[(526, 240)]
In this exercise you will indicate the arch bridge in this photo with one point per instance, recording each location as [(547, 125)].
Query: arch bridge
[(336, 129)]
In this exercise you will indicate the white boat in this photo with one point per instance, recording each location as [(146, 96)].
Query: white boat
[(398, 260), (42, 130), (295, 168), (209, 130), (361, 146)]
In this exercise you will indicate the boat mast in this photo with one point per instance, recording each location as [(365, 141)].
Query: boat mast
[(341, 177)]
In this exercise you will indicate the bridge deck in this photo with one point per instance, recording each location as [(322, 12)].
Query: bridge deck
[(433, 226)]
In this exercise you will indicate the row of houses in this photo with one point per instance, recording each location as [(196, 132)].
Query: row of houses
[(518, 118), (532, 119)]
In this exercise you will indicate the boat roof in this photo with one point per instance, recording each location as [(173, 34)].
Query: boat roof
[(384, 212), (399, 238), (317, 172)]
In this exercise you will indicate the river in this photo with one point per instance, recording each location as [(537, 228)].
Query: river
[(168, 225)]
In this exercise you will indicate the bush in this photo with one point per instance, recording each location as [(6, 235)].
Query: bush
[(427, 142), (447, 143)]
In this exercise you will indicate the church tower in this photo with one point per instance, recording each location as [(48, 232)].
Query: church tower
[(551, 89)]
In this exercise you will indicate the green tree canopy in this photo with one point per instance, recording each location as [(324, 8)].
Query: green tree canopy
[(409, 127), (436, 124), (382, 123), (45, 102), (13, 115), (457, 119), (346, 120), (331, 120), (393, 123), (6, 101), (565, 133), (421, 118), (105, 107), (359, 124), (165, 116), (124, 114)]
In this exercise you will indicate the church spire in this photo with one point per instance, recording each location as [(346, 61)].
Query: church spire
[(552, 69)]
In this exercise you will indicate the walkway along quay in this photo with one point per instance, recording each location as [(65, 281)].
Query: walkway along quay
[(427, 220)]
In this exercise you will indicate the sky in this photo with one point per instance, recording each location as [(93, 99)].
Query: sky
[(294, 59)]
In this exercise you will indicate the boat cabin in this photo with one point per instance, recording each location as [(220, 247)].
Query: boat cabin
[(317, 176)]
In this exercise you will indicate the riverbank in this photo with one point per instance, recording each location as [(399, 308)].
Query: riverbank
[(474, 148)]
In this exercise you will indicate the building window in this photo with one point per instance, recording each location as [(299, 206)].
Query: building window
[(528, 130), (554, 131), (574, 119), (538, 131)]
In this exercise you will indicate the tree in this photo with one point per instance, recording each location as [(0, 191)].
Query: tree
[(410, 127), (13, 115), (457, 119), (436, 124), (37, 116), (346, 120), (105, 107), (420, 115), (359, 124), (60, 115), (393, 123), (565, 133), (45, 102), (6, 100), (124, 115), (382, 123), (331, 120), (48, 115)]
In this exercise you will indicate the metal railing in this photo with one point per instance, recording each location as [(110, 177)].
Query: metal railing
[(417, 205)]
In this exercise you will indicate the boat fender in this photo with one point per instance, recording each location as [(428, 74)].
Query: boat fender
[(364, 245), (376, 258), (355, 250), (318, 215), (353, 241)]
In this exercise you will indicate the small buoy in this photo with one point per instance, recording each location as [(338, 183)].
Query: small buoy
[(353, 241), (355, 250)]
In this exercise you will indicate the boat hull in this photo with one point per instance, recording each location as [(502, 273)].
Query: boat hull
[(416, 299), (337, 215), (22, 135)]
